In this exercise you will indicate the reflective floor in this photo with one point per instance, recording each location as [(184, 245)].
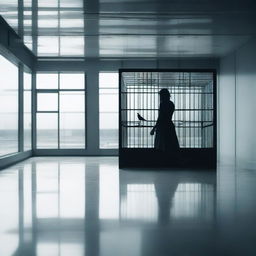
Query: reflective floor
[(87, 206)]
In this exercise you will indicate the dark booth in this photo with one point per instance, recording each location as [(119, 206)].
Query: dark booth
[(193, 93)]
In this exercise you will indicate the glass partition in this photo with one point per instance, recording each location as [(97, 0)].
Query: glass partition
[(8, 107)]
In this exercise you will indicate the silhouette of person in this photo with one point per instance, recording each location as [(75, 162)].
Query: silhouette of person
[(166, 140)]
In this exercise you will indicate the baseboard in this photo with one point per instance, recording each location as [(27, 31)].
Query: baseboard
[(11, 159)]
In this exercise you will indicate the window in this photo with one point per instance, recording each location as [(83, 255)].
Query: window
[(61, 19), (8, 107), (47, 130), (27, 110), (60, 110), (47, 101), (9, 11), (108, 89)]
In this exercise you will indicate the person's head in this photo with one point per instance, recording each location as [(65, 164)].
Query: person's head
[(164, 95)]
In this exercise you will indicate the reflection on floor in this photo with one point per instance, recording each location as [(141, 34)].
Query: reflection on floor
[(87, 206)]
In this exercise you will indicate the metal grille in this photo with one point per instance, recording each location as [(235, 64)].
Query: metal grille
[(192, 94)]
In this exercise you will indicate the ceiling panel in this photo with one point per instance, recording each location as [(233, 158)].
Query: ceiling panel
[(168, 46), (133, 28)]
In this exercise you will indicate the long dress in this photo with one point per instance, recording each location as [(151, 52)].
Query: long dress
[(166, 139)]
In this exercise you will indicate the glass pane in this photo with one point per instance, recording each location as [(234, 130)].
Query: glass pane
[(8, 107), (47, 81), (72, 102), (107, 80), (47, 102), (47, 19), (108, 101), (108, 106), (73, 3), (27, 120), (72, 134), (72, 120), (47, 130), (48, 46), (47, 3), (71, 45), (27, 3), (72, 81), (27, 81), (71, 20), (108, 130), (27, 111)]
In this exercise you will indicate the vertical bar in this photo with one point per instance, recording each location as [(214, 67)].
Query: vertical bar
[(120, 130), (194, 91), (198, 106), (202, 117), (21, 18), (142, 104), (33, 110), (59, 28), (85, 119), (92, 113), (178, 106), (179, 123), (34, 25), (184, 112), (189, 108), (131, 129), (147, 136), (133, 104), (214, 111), (131, 111), (20, 109), (151, 113), (58, 110), (208, 116), (139, 106)]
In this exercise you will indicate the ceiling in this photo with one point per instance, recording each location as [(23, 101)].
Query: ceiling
[(132, 28)]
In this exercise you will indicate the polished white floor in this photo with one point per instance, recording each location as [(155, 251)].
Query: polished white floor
[(87, 206)]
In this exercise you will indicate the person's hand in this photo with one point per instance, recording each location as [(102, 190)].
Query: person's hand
[(152, 132)]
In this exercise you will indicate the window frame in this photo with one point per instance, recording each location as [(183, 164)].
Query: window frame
[(58, 112)]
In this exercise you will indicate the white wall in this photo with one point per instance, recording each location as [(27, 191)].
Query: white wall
[(237, 106), (226, 110)]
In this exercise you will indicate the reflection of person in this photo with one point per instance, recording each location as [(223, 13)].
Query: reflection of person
[(165, 190), (166, 139)]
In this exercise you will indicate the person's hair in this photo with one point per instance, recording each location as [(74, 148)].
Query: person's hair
[(164, 95)]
